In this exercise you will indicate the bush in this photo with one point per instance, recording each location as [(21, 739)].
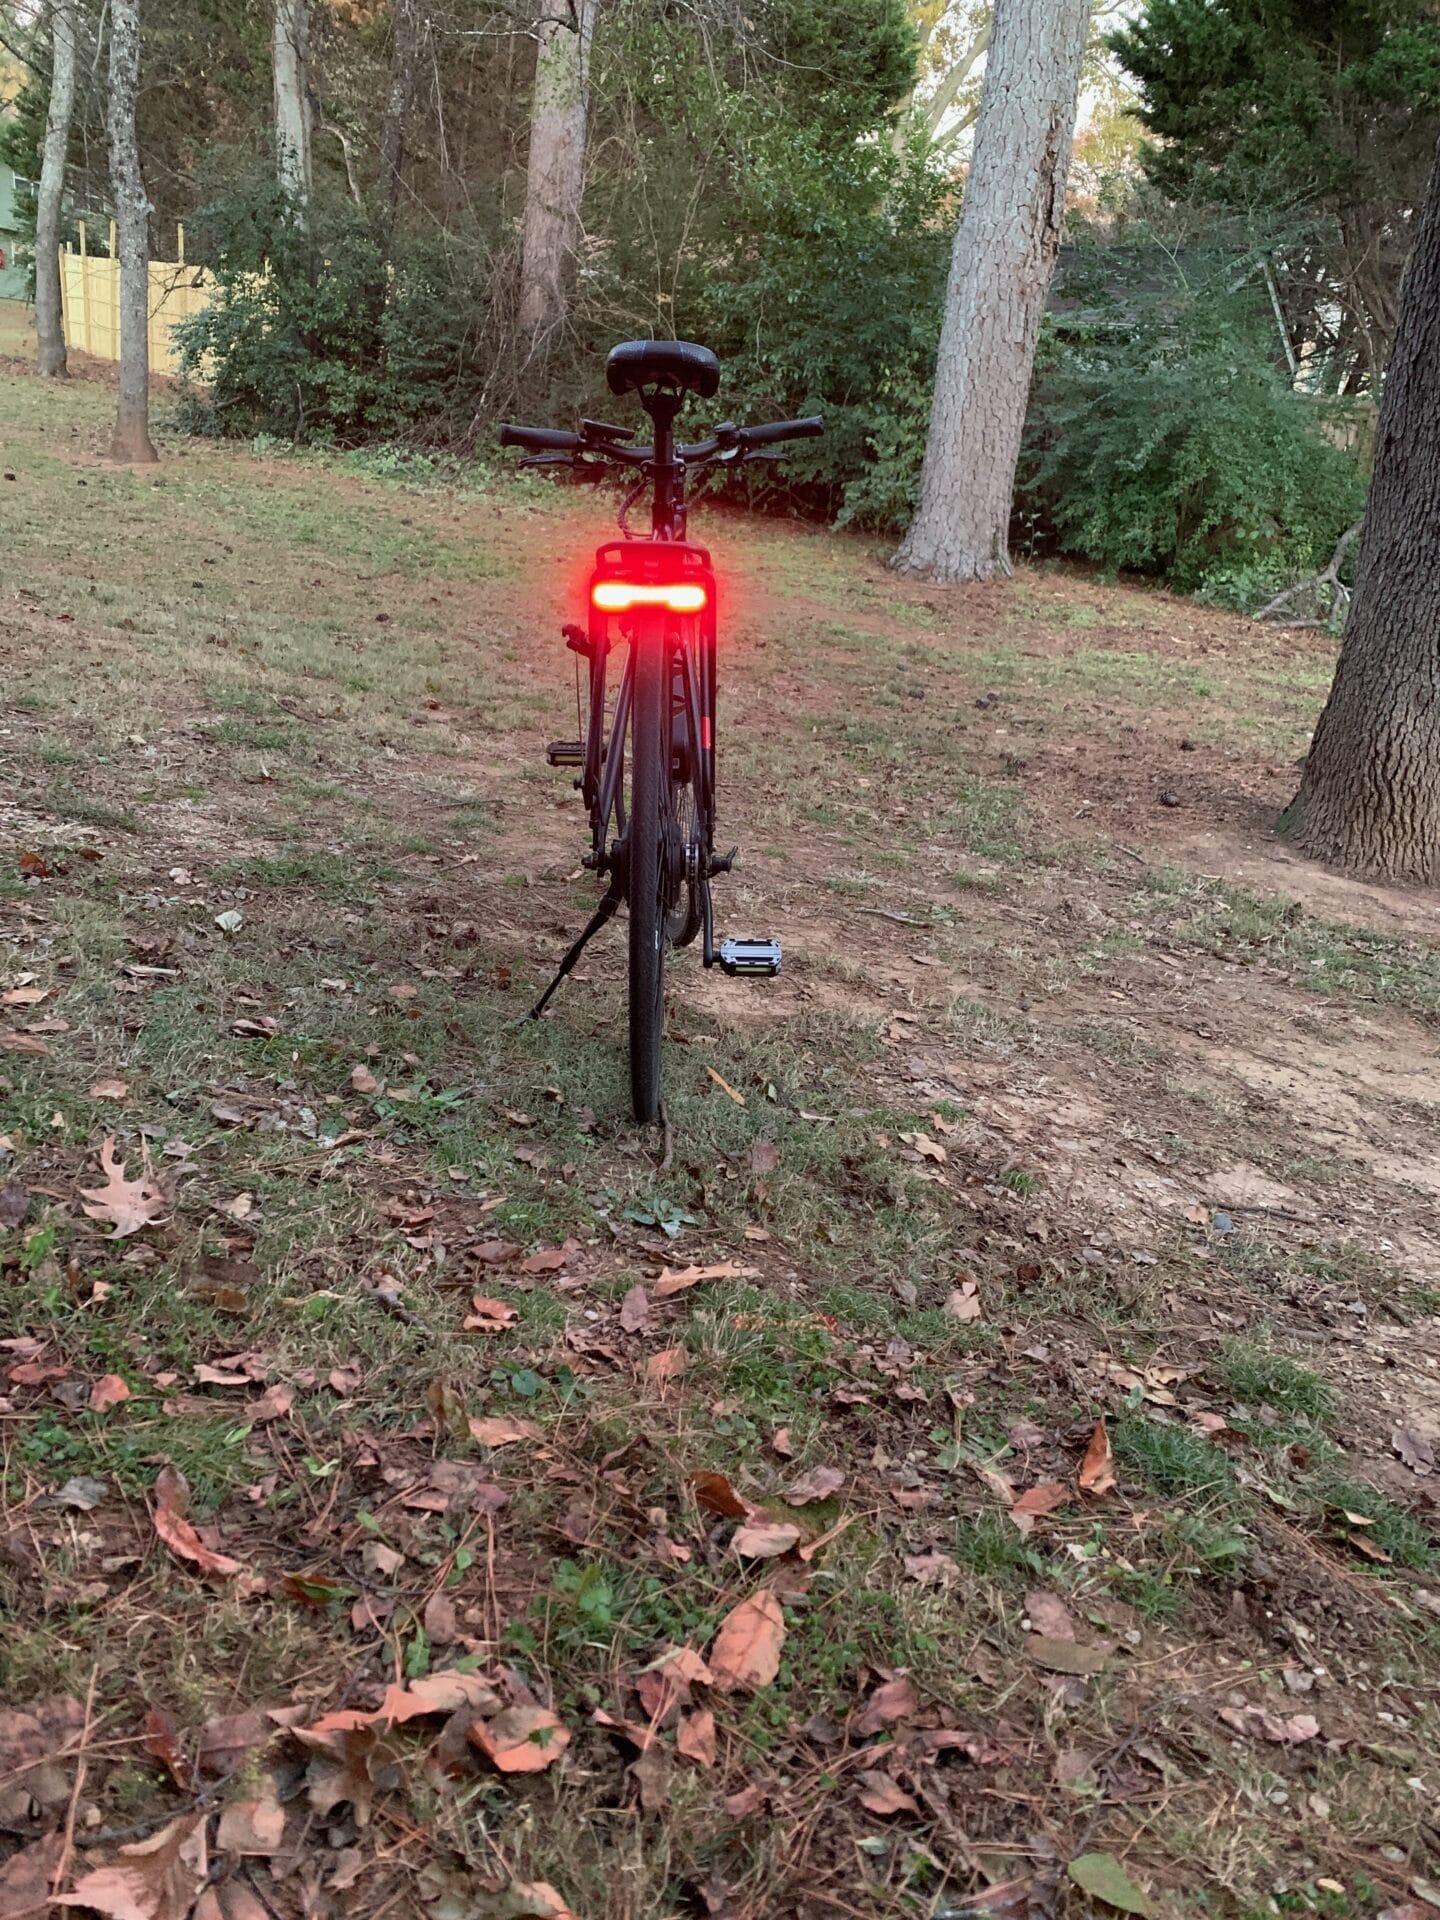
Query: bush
[(328, 333), (1183, 452)]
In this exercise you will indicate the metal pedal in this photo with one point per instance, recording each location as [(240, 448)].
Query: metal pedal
[(760, 958), (565, 753)]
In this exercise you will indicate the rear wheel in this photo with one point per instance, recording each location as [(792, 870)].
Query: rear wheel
[(651, 828)]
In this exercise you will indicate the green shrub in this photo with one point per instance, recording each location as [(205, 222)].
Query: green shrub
[(1179, 450)]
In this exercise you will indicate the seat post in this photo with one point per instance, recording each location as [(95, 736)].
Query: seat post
[(662, 407)]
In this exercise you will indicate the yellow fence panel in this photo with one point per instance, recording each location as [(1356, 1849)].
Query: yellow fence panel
[(90, 301)]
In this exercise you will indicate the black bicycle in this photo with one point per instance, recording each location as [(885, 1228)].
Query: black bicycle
[(652, 603)]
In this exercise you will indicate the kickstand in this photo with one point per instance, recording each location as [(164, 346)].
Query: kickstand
[(608, 904)]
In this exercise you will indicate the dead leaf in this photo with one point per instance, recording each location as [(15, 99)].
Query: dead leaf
[(931, 1569), (172, 1496), (255, 1828), (545, 1260), (1043, 1499), (227, 1741), (927, 1148), (820, 1484), (1049, 1616), (780, 1443), (746, 1653), (161, 1740), (1064, 1656), (24, 996), (879, 1794), (22, 1043), (362, 1080), (443, 1692), (765, 1539), (26, 1877), (231, 1900), (695, 1736), (521, 1739), (439, 1620), (1415, 1449), (14, 1204), (715, 1493), (676, 1279), (498, 1430), (128, 1204), (635, 1311), (725, 1086), (155, 1879), (490, 1315), (890, 1703), (1286, 1730), (1097, 1469), (763, 1157), (964, 1302), (109, 1391), (343, 1766), (668, 1364), (273, 1404), (110, 1090)]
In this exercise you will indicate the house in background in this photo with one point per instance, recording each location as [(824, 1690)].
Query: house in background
[(14, 270)]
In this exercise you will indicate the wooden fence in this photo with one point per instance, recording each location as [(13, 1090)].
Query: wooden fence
[(90, 297)]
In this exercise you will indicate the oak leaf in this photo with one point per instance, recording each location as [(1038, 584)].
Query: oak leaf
[(158, 1878), (746, 1653), (128, 1205)]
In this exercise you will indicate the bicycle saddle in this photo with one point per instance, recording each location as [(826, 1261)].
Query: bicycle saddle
[(669, 363)]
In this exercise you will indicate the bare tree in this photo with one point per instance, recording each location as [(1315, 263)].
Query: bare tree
[(291, 63), (952, 41), (404, 51), (1005, 251), (131, 440), (1370, 794), (555, 175), (49, 198)]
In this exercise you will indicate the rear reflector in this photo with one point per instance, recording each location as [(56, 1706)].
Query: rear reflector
[(619, 596)]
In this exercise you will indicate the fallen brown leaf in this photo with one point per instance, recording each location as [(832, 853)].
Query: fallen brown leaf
[(746, 1653), (1043, 1499), (25, 1879), (1064, 1656), (879, 1794), (1416, 1449), (1286, 1730), (255, 1828), (964, 1302), (635, 1310), (343, 1765), (695, 1736), (154, 1879), (442, 1692), (128, 1205), (490, 1315), (172, 1496), (161, 1740), (668, 1364), (22, 1043), (1049, 1616), (890, 1703), (498, 1430), (109, 1391), (820, 1484), (715, 1493), (765, 1539), (521, 1739), (1097, 1469), (676, 1279), (273, 1404), (110, 1090)]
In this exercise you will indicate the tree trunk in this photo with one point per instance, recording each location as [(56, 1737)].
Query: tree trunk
[(404, 48), (1370, 795), (1005, 249), (291, 61), (131, 439), (555, 174), (49, 197)]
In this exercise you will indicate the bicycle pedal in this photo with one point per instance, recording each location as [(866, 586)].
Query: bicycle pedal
[(760, 958), (565, 753)]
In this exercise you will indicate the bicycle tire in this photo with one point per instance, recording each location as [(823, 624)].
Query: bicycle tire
[(649, 796)]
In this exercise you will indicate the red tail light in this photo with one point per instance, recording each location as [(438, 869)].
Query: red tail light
[(678, 596)]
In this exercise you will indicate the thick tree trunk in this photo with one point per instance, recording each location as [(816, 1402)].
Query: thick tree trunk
[(555, 175), (131, 439), (50, 195), (291, 65), (404, 48), (1370, 795), (1005, 249)]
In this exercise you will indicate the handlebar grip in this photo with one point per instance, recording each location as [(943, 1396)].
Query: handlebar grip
[(810, 429), (540, 439)]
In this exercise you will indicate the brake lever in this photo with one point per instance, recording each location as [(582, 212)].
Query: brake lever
[(763, 453)]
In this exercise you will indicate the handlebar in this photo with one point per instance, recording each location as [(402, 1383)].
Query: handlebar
[(540, 439), (597, 438)]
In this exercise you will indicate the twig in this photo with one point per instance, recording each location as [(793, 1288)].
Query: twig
[(882, 913), (62, 1866), (389, 1300), (668, 1157)]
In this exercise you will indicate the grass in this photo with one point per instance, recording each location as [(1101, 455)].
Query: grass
[(366, 797)]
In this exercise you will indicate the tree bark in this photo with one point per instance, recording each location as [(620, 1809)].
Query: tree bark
[(555, 174), (131, 440), (291, 64), (1369, 798), (50, 195), (1005, 251), (404, 47)]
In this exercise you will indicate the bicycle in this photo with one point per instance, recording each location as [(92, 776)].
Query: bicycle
[(653, 600)]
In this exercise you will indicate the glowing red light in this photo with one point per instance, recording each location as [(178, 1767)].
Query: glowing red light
[(678, 596)]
